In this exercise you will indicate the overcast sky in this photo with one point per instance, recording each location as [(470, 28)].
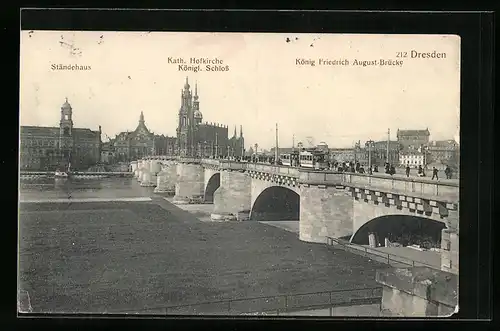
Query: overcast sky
[(130, 73)]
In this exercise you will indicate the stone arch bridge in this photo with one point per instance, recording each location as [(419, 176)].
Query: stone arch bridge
[(327, 204)]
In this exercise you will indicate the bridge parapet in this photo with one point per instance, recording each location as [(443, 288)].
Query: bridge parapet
[(447, 190), (210, 162), (231, 165), (195, 160), (321, 178), (273, 169)]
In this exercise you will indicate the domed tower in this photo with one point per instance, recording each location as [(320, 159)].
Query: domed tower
[(198, 116), (66, 122), (66, 134)]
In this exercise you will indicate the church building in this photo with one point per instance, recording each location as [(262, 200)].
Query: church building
[(198, 139)]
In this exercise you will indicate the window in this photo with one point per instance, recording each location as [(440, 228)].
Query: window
[(66, 131), (66, 117)]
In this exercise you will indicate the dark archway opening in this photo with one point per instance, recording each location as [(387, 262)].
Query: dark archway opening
[(276, 204), (403, 229), (212, 185)]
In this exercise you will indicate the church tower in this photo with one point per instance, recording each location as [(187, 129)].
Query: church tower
[(242, 141), (198, 116), (66, 122), (66, 134), (185, 130)]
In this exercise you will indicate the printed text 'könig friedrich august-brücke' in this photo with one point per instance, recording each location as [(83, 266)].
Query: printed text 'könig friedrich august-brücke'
[(397, 60), (196, 64)]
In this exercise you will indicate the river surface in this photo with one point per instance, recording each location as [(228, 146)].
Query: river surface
[(47, 189)]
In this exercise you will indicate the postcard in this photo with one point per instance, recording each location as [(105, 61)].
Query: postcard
[(183, 173)]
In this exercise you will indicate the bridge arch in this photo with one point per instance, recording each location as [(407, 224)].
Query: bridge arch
[(276, 203), (212, 185), (404, 229)]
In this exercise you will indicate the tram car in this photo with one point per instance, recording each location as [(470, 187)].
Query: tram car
[(313, 158), (287, 158)]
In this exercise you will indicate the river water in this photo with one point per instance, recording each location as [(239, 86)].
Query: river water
[(47, 189)]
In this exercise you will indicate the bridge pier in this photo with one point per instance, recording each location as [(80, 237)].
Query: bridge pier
[(232, 200), (325, 211), (449, 250), (450, 242), (166, 178), (154, 168), (417, 292), (140, 169), (146, 178), (189, 187)]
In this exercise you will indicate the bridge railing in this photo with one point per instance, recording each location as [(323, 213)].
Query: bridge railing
[(317, 177), (448, 188), (277, 304), (213, 162), (395, 183), (376, 255), (232, 165), (273, 169)]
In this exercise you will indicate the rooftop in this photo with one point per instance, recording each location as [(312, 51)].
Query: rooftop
[(413, 132), (443, 143), (54, 131)]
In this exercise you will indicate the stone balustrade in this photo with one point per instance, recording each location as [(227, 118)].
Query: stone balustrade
[(272, 169), (321, 178), (212, 162), (231, 165), (445, 189)]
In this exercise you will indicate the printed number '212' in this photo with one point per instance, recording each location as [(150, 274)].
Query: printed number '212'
[(401, 54)]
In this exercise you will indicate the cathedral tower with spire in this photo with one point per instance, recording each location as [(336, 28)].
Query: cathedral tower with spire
[(196, 138)]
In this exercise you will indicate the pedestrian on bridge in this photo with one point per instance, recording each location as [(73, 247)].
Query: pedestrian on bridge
[(434, 173), (420, 171), (392, 170), (447, 172), (387, 168), (407, 170)]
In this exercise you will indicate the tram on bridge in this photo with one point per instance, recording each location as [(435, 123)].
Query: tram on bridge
[(314, 158), (290, 159)]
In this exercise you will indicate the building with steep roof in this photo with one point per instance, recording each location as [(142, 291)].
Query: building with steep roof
[(195, 138), (413, 139), (49, 148), (141, 142)]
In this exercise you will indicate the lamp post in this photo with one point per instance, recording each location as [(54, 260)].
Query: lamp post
[(216, 146), (370, 145), (276, 152), (424, 152), (388, 142)]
